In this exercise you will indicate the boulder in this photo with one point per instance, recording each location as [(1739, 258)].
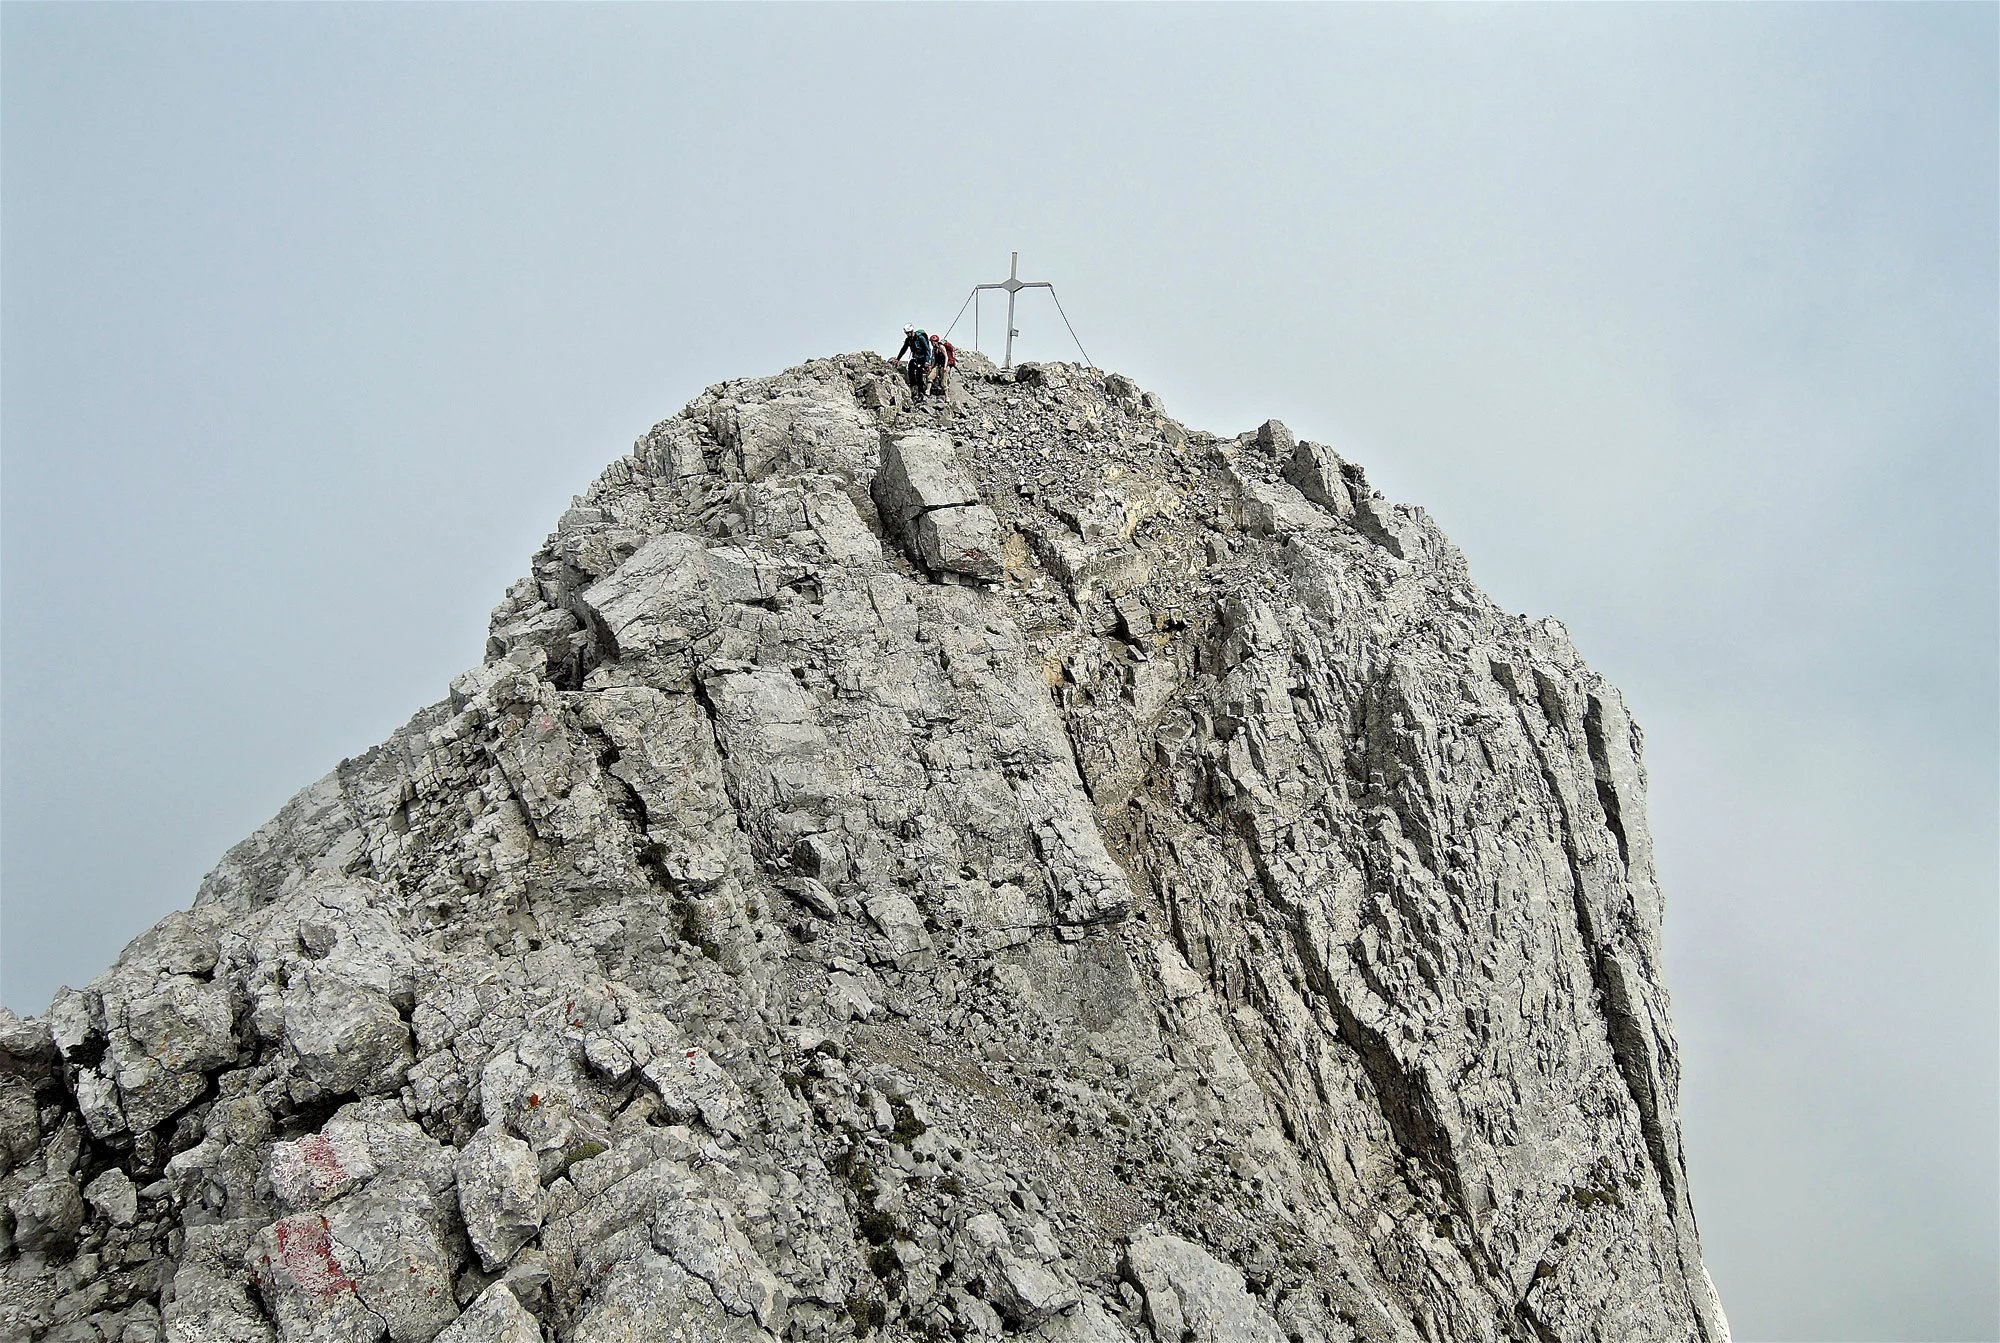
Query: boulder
[(370, 1263), (208, 1299), (495, 1316), (114, 1196), (20, 1122), (343, 1037), (1318, 473), (321, 1166), (1193, 1297), (925, 499), (651, 611), (499, 1195), (165, 1036), (902, 924), (1086, 1322), (1275, 438), (1025, 1291)]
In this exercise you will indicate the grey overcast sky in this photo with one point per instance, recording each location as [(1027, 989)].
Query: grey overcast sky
[(1681, 320)]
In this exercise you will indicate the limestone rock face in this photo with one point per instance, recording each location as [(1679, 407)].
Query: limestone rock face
[(1009, 864)]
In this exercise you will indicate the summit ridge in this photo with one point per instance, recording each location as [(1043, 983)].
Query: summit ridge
[(1000, 865)]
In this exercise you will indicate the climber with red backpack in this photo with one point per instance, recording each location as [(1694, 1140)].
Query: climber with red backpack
[(944, 355), (918, 346)]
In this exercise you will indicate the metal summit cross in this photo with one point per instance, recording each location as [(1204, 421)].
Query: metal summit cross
[(1013, 285)]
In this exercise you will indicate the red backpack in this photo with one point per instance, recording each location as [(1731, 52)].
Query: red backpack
[(950, 351)]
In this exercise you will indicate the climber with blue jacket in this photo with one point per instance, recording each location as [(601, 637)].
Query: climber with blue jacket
[(918, 346)]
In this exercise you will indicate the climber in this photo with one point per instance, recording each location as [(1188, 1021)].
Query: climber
[(918, 346), (944, 356)]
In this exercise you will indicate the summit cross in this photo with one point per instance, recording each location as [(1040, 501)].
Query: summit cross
[(1013, 284)]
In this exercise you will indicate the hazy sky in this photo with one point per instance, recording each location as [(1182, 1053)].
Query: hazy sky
[(1681, 320)]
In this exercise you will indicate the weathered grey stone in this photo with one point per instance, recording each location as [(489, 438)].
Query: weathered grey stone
[(165, 1035), (208, 1298), (923, 495), (902, 924), (919, 473), (702, 1237), (657, 606), (1024, 1291), (1276, 439), (20, 1122), (1086, 1322), (1317, 471), (964, 540), (114, 1196), (495, 1316), (185, 942), (692, 1086), (321, 1166), (1379, 522), (649, 1296), (26, 1046), (838, 525), (369, 1264), (344, 1037), (1192, 1297), (1275, 508), (47, 1209), (499, 1195)]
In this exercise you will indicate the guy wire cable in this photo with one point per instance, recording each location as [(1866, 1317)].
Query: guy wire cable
[(1072, 330), (961, 313)]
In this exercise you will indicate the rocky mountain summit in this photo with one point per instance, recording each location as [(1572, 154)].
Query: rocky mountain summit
[(1007, 865)]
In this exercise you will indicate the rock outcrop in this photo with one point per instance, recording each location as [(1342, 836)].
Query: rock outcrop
[(1005, 865)]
